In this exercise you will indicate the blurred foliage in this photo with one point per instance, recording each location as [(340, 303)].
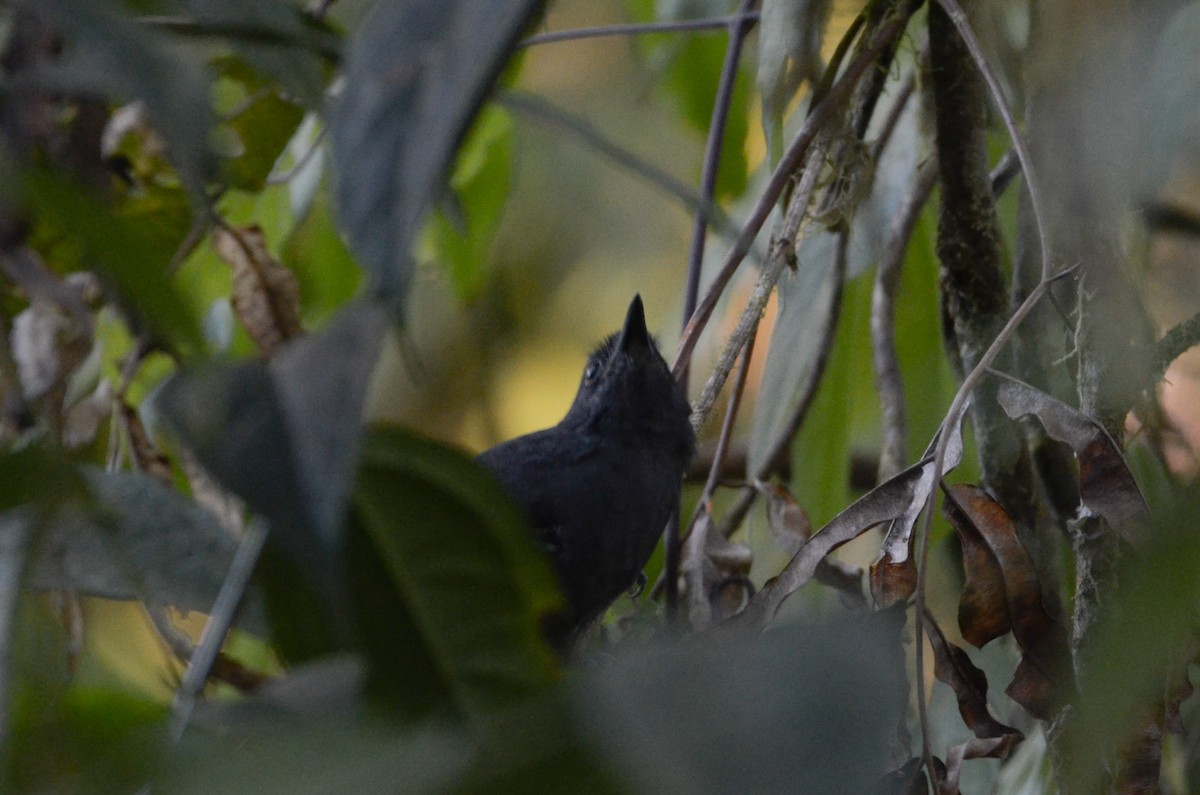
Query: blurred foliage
[(391, 636)]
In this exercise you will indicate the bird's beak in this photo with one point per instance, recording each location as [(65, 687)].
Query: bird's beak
[(635, 339)]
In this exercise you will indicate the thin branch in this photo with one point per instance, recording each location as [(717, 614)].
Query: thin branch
[(783, 254), (958, 18), (639, 28), (774, 460), (320, 42), (219, 621), (1174, 344), (954, 415), (894, 453), (712, 159), (304, 159), (737, 389), (14, 546), (833, 103), (715, 468), (537, 108), (893, 118)]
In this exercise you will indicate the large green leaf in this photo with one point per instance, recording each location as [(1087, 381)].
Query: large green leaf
[(129, 253), (471, 583), (460, 236), (415, 76), (108, 54)]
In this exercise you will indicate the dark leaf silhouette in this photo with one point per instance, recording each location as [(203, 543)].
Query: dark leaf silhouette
[(410, 96)]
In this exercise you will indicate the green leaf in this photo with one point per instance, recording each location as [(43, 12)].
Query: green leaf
[(128, 253), (264, 129), (461, 237), (409, 99), (692, 79), (97, 741), (324, 268), (469, 578), (107, 53), (843, 408)]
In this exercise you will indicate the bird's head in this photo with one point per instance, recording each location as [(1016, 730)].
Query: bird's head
[(627, 388)]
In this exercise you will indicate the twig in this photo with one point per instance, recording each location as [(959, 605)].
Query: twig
[(14, 545), (737, 389), (301, 162), (639, 28), (773, 461), (1174, 343), (782, 176), (953, 415), (712, 158), (956, 15), (219, 621), (783, 254), (893, 118), (319, 42), (894, 454), (538, 108)]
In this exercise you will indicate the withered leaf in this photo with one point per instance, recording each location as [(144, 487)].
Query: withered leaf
[(1033, 690), (894, 574), (266, 296), (901, 498), (989, 542), (1003, 592), (908, 779), (791, 528), (1106, 486), (149, 458), (952, 666), (789, 522), (708, 560), (975, 748)]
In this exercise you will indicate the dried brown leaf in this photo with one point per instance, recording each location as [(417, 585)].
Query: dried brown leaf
[(266, 296), (900, 498), (710, 560), (1033, 690), (975, 748), (952, 666), (908, 779), (791, 528), (1106, 486), (983, 606), (1003, 592), (149, 458), (894, 574), (789, 521)]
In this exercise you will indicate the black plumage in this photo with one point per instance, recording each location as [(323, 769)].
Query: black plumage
[(599, 487)]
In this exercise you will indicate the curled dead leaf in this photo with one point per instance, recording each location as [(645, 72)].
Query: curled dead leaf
[(711, 566), (1106, 486), (787, 518), (1002, 593), (149, 458), (894, 574), (953, 667), (975, 748), (266, 296)]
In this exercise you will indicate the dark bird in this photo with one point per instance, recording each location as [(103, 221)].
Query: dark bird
[(599, 487)]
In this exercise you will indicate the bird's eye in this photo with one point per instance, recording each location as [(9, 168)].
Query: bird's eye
[(589, 375)]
